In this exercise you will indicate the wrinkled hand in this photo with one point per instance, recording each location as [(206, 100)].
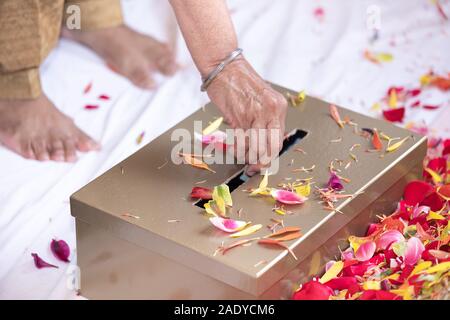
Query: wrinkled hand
[(248, 102)]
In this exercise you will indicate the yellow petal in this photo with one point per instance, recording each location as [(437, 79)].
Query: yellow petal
[(393, 99), (441, 267), (425, 80), (371, 285), (213, 126), (332, 273), (304, 190), (420, 267), (437, 179), (384, 57), (246, 231), (396, 145), (301, 96), (434, 216)]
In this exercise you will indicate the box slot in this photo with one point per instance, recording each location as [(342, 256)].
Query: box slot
[(240, 177)]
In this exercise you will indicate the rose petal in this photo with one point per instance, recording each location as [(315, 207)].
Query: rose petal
[(60, 249), (373, 227), (201, 193), (416, 191), (434, 201), (334, 182), (313, 290), (104, 97), (414, 249), (91, 107), (39, 263), (227, 225), (418, 210), (341, 283), (287, 197), (388, 238), (379, 295), (394, 115), (365, 251)]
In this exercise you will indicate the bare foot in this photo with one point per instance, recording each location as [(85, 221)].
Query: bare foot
[(35, 129), (134, 55)]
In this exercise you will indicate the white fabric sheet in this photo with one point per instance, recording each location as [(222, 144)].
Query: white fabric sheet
[(285, 42)]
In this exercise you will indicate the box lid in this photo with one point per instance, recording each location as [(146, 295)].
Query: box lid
[(150, 186)]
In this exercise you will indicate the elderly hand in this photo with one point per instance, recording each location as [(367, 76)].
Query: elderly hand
[(248, 102)]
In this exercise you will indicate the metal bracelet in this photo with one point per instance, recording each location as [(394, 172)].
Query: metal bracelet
[(207, 80)]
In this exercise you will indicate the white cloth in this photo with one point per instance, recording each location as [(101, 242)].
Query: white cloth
[(284, 41)]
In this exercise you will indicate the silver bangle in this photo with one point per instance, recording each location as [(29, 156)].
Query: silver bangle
[(208, 79)]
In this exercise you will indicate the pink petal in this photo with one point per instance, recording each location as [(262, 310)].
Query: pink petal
[(39, 263), (227, 225), (334, 182), (91, 107), (388, 238), (287, 197), (414, 249), (365, 251), (418, 210), (104, 97), (60, 249), (217, 136)]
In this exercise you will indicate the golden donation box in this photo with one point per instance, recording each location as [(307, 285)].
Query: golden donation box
[(164, 248)]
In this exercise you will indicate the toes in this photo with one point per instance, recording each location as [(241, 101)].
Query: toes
[(40, 150), (86, 143), (141, 77), (27, 151), (70, 151), (57, 151), (166, 62)]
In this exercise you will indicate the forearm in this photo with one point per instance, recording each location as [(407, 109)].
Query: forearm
[(208, 30)]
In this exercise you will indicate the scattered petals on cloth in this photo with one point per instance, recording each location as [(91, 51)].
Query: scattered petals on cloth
[(394, 115), (60, 249), (40, 263)]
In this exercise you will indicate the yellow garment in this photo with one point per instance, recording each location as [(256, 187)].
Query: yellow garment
[(29, 29)]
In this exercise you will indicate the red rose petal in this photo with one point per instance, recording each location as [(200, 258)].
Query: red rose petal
[(201, 193), (431, 107), (39, 263), (416, 191), (91, 107), (434, 201), (394, 115), (313, 290), (60, 249), (104, 97), (378, 295), (341, 283)]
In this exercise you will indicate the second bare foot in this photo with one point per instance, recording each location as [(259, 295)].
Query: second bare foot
[(134, 55)]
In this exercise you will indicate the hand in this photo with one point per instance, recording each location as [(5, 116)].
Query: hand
[(248, 102)]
